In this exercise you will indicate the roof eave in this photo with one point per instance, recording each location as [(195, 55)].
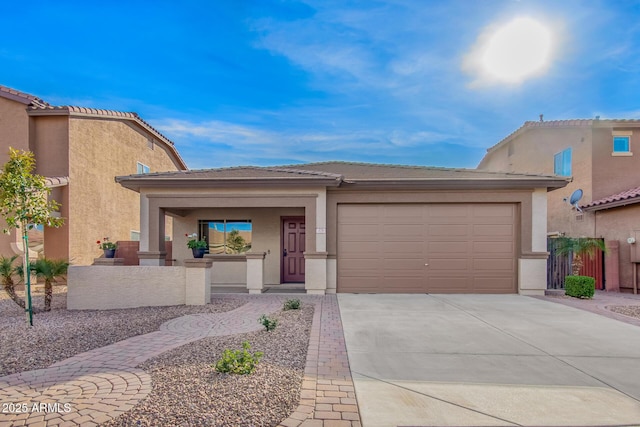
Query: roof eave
[(471, 183), (135, 183), (611, 205)]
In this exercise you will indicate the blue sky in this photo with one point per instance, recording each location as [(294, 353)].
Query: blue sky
[(276, 82)]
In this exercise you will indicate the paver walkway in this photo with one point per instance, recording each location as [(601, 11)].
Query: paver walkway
[(91, 388)]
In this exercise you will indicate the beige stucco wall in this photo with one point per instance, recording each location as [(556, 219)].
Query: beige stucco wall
[(533, 151), (113, 287), (614, 174), (14, 132), (266, 236), (99, 150), (619, 224)]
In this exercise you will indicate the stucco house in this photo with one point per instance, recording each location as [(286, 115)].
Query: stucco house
[(79, 150), (354, 227), (602, 159)]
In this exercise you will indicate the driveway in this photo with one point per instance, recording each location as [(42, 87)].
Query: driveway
[(489, 360)]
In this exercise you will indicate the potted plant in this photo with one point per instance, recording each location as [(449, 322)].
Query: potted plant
[(198, 247), (108, 247)]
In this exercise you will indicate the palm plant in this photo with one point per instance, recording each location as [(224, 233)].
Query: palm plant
[(49, 270), (7, 270), (579, 247)]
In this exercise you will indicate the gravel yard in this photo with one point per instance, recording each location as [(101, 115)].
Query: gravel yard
[(188, 391), (627, 310), (60, 334)]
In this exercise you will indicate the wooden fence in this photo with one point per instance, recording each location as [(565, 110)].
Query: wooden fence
[(559, 266)]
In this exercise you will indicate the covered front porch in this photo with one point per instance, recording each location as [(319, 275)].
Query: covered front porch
[(282, 235)]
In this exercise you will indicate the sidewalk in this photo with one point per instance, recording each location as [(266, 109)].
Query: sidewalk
[(93, 387), (599, 303)]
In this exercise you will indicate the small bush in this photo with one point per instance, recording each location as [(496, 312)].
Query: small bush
[(579, 286), (269, 323), (291, 304), (239, 362)]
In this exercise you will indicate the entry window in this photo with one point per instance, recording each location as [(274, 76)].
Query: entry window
[(562, 163), (227, 236), (142, 168)]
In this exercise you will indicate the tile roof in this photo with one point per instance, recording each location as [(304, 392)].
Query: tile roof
[(25, 98), (38, 107), (626, 197), (239, 172), (56, 181), (562, 124), (354, 171)]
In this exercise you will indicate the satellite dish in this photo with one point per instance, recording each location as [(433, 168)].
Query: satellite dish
[(575, 198)]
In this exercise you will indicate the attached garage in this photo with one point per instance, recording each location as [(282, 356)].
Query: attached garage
[(427, 248)]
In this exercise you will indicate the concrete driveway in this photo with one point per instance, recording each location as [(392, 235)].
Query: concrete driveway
[(489, 360)]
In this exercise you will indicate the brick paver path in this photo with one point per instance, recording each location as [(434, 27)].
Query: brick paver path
[(91, 388), (103, 383)]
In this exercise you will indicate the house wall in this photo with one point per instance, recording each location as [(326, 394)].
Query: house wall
[(614, 174), (99, 150), (532, 151), (14, 132), (49, 136), (266, 227), (619, 224)]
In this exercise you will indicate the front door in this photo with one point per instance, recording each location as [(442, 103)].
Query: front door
[(293, 234)]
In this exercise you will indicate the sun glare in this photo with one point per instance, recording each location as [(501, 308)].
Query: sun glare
[(517, 50)]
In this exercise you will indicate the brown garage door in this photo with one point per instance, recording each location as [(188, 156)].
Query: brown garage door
[(469, 248)]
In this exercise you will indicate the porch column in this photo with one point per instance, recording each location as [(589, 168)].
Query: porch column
[(152, 226), (315, 261), (198, 281), (532, 265), (315, 275), (255, 272)]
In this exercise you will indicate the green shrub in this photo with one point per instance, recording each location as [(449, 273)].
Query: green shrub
[(269, 323), (239, 362), (291, 304), (579, 286)]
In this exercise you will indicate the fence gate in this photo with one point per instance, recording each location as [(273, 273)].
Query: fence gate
[(559, 266)]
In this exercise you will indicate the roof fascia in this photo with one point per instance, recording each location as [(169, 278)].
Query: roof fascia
[(14, 97), (611, 205), (137, 183), (473, 183)]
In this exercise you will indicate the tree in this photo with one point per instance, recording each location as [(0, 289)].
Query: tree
[(579, 247), (24, 204), (235, 241), (49, 270), (7, 270)]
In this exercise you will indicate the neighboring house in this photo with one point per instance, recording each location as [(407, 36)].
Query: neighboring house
[(353, 227), (80, 151), (602, 157)]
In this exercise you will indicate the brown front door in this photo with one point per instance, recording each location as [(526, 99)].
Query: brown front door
[(293, 234)]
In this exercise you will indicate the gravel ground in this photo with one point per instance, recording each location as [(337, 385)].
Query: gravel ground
[(627, 310), (60, 334), (187, 391)]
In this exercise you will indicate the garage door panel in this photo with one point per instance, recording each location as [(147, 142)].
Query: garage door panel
[(469, 248), (494, 247), (448, 230), (492, 264), (493, 230)]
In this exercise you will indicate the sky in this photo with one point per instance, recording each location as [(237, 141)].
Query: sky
[(268, 82)]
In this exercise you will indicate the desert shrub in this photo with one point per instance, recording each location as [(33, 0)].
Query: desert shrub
[(240, 362), (579, 286), (269, 323), (291, 304)]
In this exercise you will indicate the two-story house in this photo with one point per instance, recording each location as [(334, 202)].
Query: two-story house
[(603, 159), (80, 151)]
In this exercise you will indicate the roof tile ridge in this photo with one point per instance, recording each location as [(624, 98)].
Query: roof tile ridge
[(301, 171), (26, 96)]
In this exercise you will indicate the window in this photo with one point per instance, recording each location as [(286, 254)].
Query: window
[(622, 143), (226, 236), (562, 163), (142, 168)]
